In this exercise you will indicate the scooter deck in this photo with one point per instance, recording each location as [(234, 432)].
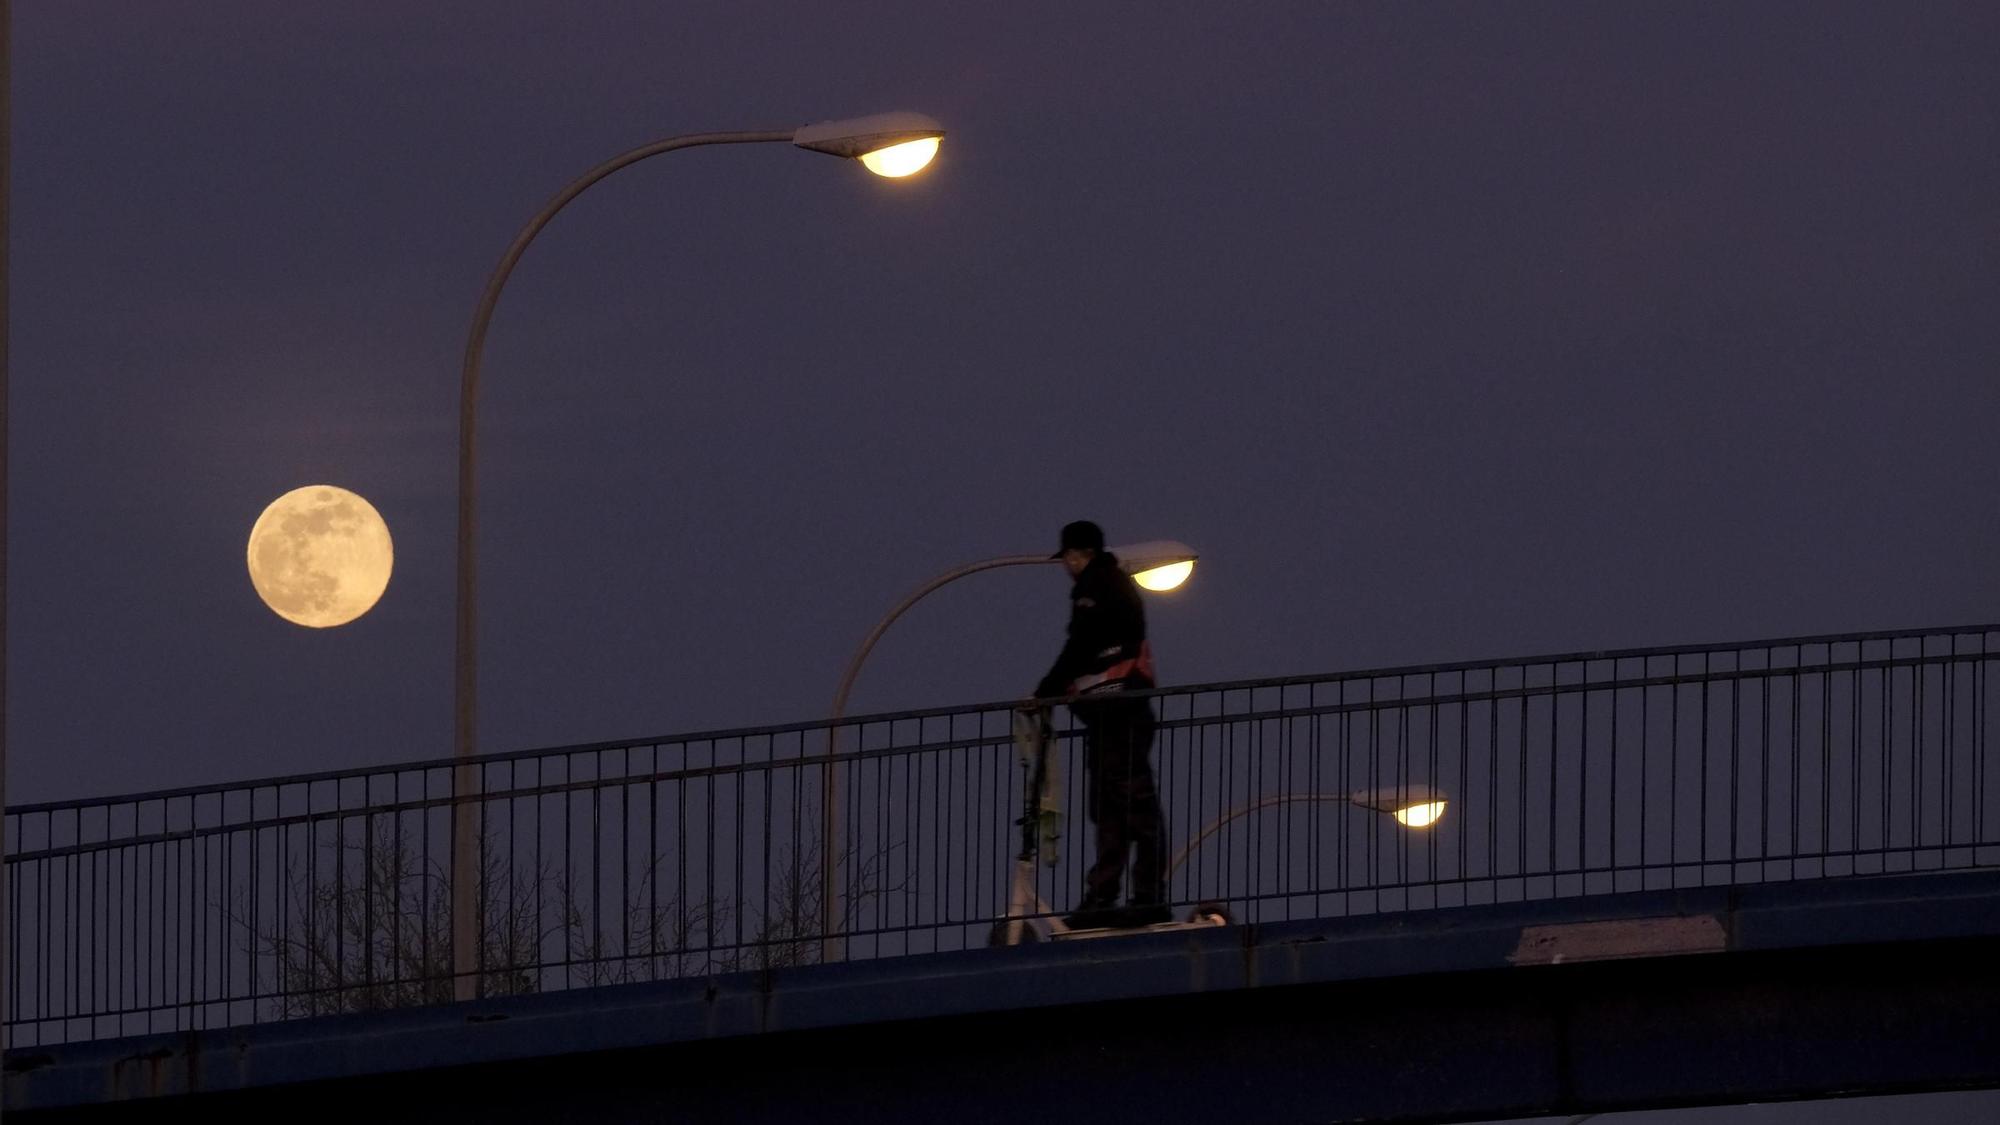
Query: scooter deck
[(1120, 931)]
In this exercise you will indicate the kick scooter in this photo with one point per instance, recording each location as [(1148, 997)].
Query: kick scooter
[(1029, 917)]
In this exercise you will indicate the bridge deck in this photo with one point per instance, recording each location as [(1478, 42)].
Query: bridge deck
[(1692, 996)]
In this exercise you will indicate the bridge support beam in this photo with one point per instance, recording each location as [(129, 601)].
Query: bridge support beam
[(1851, 986)]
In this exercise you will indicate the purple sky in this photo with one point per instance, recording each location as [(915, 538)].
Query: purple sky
[(1445, 332)]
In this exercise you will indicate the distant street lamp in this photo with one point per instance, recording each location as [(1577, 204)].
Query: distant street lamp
[(887, 144), (1413, 806), (1157, 564)]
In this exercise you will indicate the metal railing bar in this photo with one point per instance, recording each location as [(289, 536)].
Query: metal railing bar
[(848, 756), (1000, 708)]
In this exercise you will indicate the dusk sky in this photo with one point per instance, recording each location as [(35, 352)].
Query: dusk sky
[(1443, 331)]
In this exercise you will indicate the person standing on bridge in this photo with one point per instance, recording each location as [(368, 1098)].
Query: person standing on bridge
[(1105, 657)]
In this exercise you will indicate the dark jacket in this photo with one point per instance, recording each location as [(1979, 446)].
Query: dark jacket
[(1107, 632)]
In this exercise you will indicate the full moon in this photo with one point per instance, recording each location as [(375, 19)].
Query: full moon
[(320, 556)]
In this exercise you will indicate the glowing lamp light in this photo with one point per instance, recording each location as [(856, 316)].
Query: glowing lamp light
[(1420, 816), (1160, 579), (1158, 565), (888, 144), (906, 159)]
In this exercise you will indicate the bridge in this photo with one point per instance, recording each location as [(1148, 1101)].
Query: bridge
[(1666, 876)]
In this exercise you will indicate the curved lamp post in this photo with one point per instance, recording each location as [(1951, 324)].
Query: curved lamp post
[(1157, 564), (887, 144), (1413, 806)]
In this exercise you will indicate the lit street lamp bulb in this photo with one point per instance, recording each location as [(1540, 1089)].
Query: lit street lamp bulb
[(1163, 578), (1420, 816), (906, 159)]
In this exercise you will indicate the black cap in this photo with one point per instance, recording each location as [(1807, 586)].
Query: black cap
[(1081, 535)]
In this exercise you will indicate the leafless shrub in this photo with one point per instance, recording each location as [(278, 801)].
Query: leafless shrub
[(375, 933), (365, 925)]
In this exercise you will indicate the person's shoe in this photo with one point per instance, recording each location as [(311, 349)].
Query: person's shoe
[(1092, 914), (1146, 914)]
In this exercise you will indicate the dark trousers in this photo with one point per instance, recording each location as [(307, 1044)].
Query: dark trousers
[(1124, 804)]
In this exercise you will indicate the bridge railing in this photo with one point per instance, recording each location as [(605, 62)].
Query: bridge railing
[(1576, 774)]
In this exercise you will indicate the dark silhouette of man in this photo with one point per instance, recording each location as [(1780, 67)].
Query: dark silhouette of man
[(1105, 659)]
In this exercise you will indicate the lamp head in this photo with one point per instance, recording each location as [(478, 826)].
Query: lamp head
[(1413, 806), (1158, 565), (888, 144)]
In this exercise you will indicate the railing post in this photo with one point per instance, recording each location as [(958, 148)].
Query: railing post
[(465, 867)]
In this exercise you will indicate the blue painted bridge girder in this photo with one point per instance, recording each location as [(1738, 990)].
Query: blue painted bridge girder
[(1647, 999)]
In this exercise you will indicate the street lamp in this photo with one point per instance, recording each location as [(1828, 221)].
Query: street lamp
[(1413, 806), (888, 144), (1157, 564)]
